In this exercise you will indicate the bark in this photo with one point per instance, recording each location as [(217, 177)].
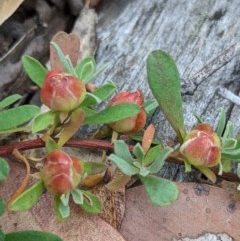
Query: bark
[(201, 36)]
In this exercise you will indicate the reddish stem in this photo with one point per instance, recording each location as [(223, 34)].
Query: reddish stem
[(174, 157)]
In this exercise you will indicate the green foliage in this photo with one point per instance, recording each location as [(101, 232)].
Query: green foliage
[(31, 236), (221, 122), (160, 191), (113, 113), (91, 204), (158, 160), (150, 106), (2, 235), (4, 169), (67, 64), (121, 150), (9, 100), (92, 168), (17, 116), (86, 68), (87, 201), (44, 120), (123, 165), (77, 196), (230, 145), (28, 198), (164, 81), (102, 93), (2, 207), (34, 69)]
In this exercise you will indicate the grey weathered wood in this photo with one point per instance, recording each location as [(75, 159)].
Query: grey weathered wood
[(194, 33)]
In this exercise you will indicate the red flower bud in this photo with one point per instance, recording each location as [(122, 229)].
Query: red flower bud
[(62, 91), (201, 146), (132, 124), (61, 173)]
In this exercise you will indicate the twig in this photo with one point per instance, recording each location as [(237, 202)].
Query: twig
[(93, 144)]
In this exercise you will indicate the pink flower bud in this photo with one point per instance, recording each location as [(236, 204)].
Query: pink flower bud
[(132, 124), (201, 146), (62, 91), (61, 173)]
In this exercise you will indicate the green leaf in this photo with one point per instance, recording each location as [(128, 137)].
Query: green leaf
[(86, 68), (91, 99), (2, 207), (31, 236), (164, 81), (151, 155), (229, 131), (159, 161), (44, 120), (102, 93), (122, 151), (28, 198), (97, 73), (221, 122), (9, 100), (77, 196), (113, 113), (105, 91), (161, 192), (34, 69), (64, 210), (64, 59), (2, 235), (92, 168), (65, 198), (150, 107), (14, 117), (123, 165), (229, 143), (91, 203), (139, 152), (50, 144), (4, 169), (233, 155)]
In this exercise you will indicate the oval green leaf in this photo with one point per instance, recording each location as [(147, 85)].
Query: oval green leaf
[(121, 150), (43, 121), (159, 160), (14, 117), (102, 93), (161, 192), (91, 203), (9, 100), (28, 198), (113, 113), (123, 165), (164, 81), (31, 236), (34, 69), (4, 169), (86, 68)]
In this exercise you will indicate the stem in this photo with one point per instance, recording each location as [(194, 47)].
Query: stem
[(174, 157), (39, 143)]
